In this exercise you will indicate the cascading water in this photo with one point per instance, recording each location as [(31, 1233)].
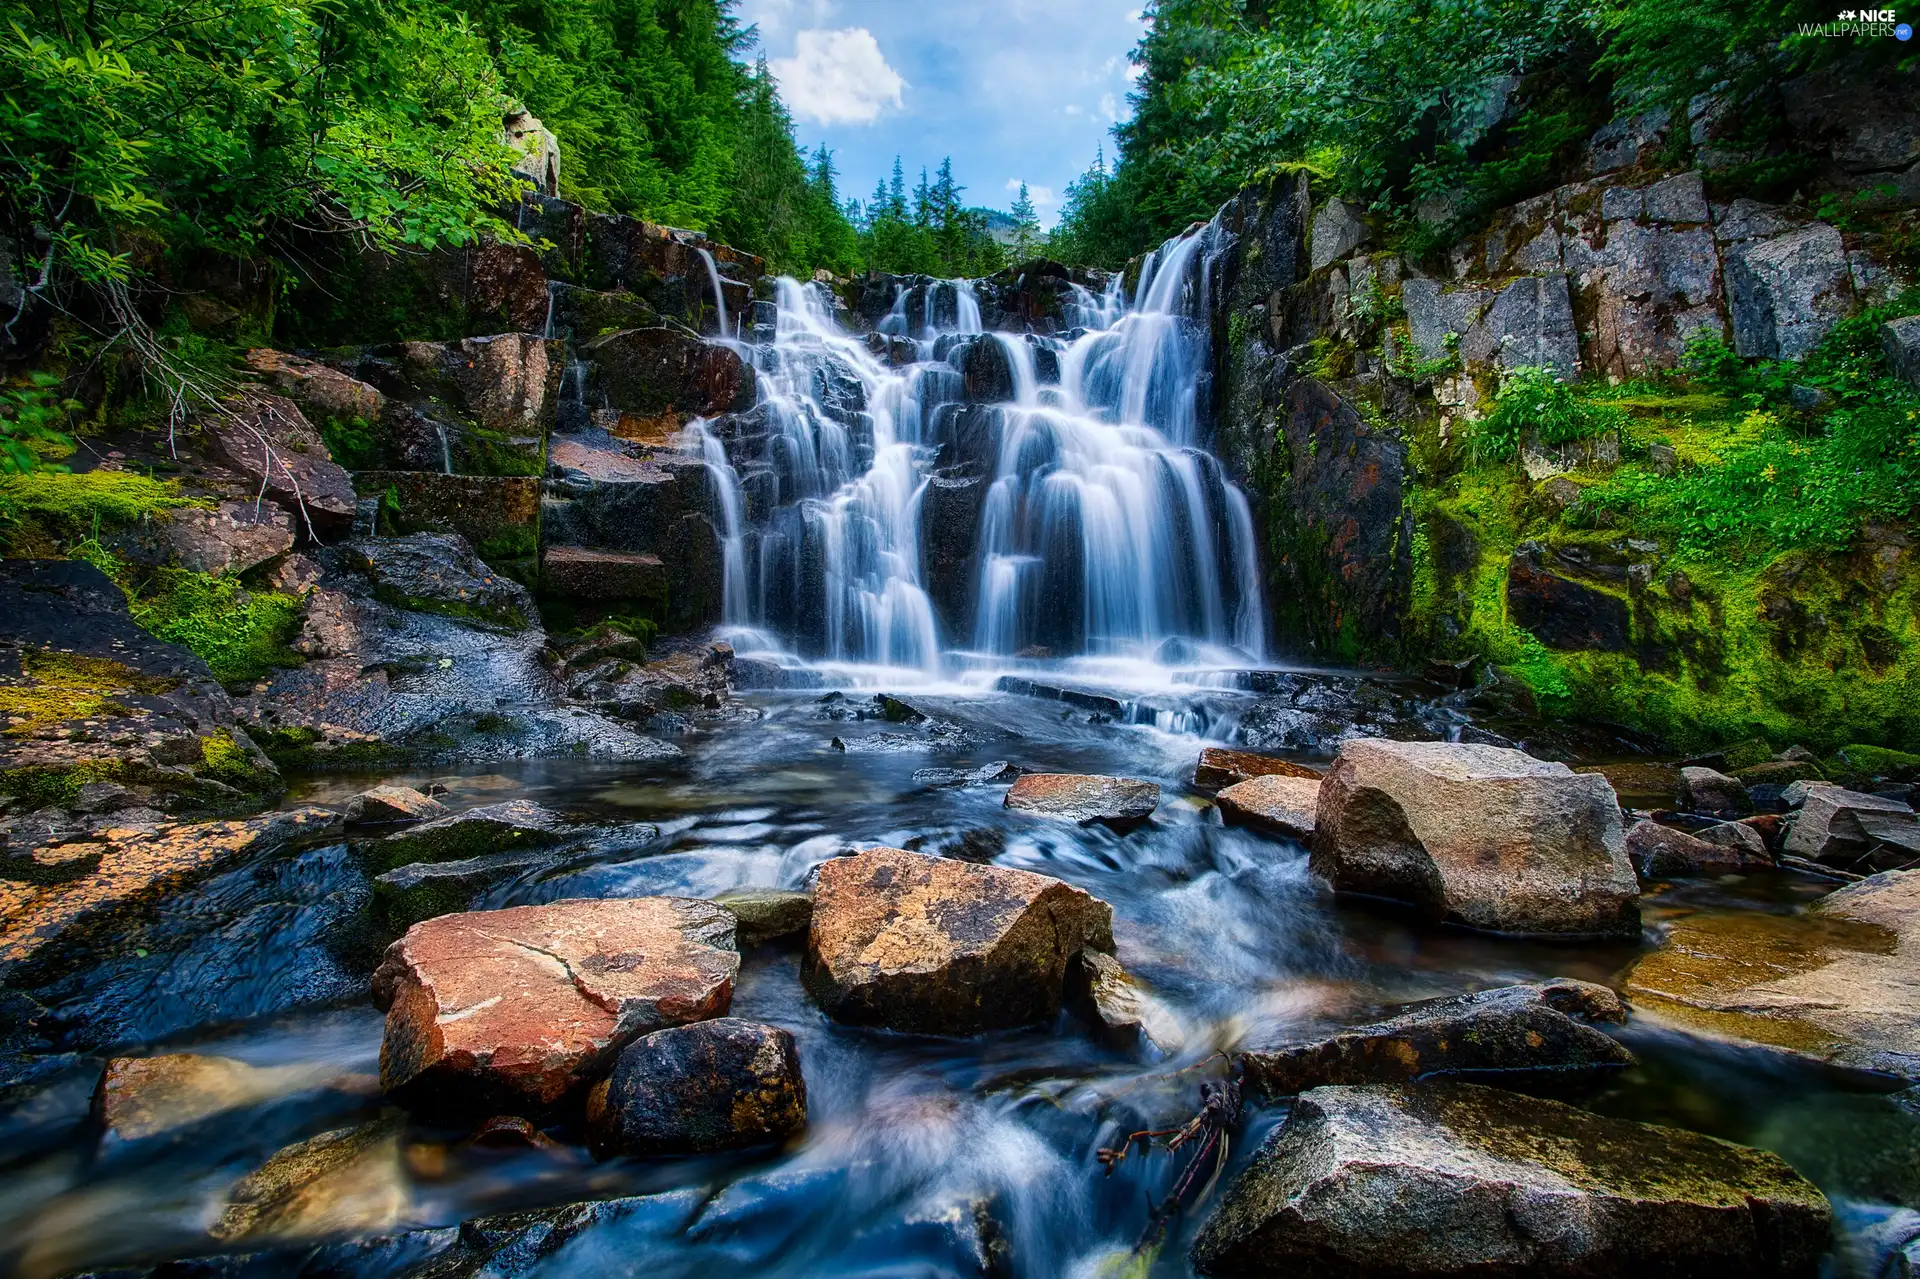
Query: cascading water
[(1089, 518), (719, 297)]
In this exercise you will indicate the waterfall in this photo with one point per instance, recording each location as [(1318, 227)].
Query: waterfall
[(872, 516), (719, 298)]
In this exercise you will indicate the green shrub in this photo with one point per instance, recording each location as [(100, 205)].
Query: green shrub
[(241, 635), (1533, 401)]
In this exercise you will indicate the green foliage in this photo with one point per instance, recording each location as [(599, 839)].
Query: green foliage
[(240, 634), (33, 418), (934, 234), (74, 505), (784, 207), (1534, 402)]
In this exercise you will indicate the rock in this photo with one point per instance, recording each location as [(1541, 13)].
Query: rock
[(348, 1181), (944, 947), (1084, 799), (767, 914), (419, 891), (1541, 1029), (1281, 805), (1747, 844), (1838, 825), (267, 439), (1661, 852), (1123, 1012), (1480, 835), (537, 151), (1778, 772), (511, 1010), (513, 825), (1220, 767), (439, 573), (1563, 613), (1338, 229), (1640, 785), (713, 1085), (392, 804), (1900, 340), (498, 515), (231, 538), (141, 1097), (1787, 292), (997, 773), (1839, 983), (1703, 790), (581, 573), (324, 393), (1664, 460), (1457, 1179), (986, 371), (133, 867), (658, 380)]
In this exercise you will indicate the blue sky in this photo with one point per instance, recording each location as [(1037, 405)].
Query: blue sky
[(1013, 90)]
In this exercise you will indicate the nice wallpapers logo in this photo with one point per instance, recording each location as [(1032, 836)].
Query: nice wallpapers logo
[(1861, 22)]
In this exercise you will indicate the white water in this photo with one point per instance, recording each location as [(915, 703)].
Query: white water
[(719, 298), (1104, 529)]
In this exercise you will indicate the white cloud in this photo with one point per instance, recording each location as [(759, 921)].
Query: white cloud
[(1041, 196), (1135, 71), (1110, 107), (1073, 108), (837, 77)]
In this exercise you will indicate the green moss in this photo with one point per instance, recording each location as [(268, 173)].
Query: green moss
[(42, 786), (228, 761), (67, 686), (241, 635), (73, 505), (1880, 761), (303, 749)]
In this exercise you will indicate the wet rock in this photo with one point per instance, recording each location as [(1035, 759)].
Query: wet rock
[(347, 1181), (1839, 983), (410, 894), (439, 573), (1703, 790), (1220, 767), (583, 573), (942, 946), (987, 371), (1742, 840), (1561, 612), (658, 380), (40, 922), (714, 1085), (267, 439), (1085, 799), (1280, 805), (498, 515), (1457, 1179), (510, 1010), (1661, 852), (1480, 835), (233, 537), (1539, 1030), (997, 773), (682, 678), (767, 914), (142, 1097), (516, 824), (1124, 1013), (88, 696), (1900, 341), (392, 804), (1842, 826)]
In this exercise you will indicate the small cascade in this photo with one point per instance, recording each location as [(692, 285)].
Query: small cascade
[(719, 297), (446, 450), (553, 291), (872, 516)]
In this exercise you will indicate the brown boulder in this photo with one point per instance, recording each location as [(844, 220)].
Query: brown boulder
[(1660, 852), (946, 947), (660, 379), (267, 439), (713, 1085), (1220, 767), (1480, 835), (512, 1009), (1279, 804), (321, 391), (1084, 799), (392, 804)]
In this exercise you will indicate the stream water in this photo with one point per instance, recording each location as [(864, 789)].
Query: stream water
[(923, 1156)]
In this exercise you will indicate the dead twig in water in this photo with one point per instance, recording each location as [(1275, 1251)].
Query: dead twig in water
[(1207, 1133)]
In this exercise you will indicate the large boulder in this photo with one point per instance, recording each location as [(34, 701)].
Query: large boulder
[(232, 537), (1542, 1030), (267, 439), (712, 1085), (1839, 983), (1706, 790), (1456, 1179), (1660, 852), (946, 947), (511, 1010), (657, 380), (439, 573), (1479, 835), (1084, 799)]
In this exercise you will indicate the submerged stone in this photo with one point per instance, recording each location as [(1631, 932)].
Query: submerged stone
[(1480, 835), (496, 828), (1456, 1179), (945, 947), (1540, 1030), (1085, 799), (713, 1085), (1277, 804), (1220, 767), (767, 914), (141, 1097), (1124, 1013), (1839, 983), (512, 1009), (347, 1181), (418, 891)]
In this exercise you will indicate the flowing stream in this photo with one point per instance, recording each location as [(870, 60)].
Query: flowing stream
[(1109, 555)]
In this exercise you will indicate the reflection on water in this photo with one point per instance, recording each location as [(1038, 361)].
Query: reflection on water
[(924, 1155)]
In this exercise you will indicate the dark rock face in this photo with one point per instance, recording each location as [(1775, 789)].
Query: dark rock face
[(660, 379), (439, 573), (944, 947), (713, 1085), (1705, 790), (268, 439), (987, 371), (419, 891), (949, 532), (1483, 835), (1563, 613), (1661, 852), (498, 515), (1455, 1179), (1542, 1030)]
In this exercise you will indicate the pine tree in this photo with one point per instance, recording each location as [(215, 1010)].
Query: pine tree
[(897, 192), (1026, 226)]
